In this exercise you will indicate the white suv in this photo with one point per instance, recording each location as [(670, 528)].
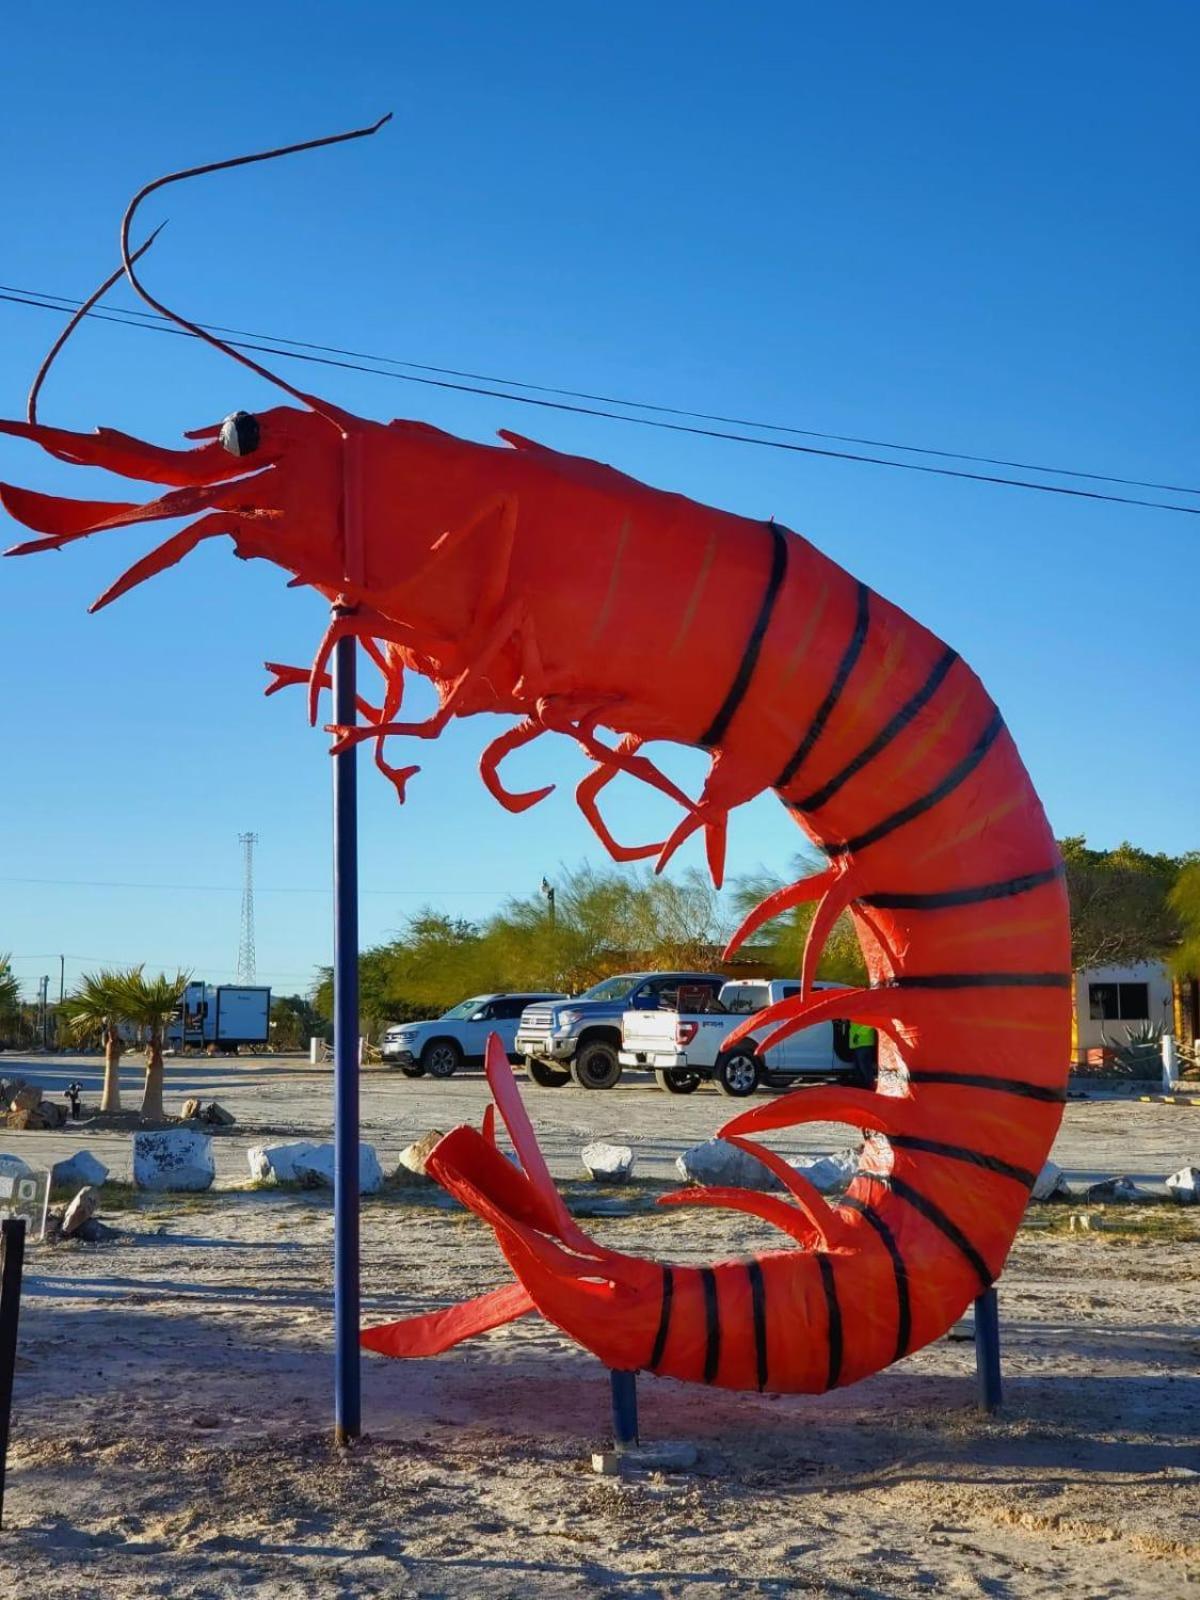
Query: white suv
[(441, 1046)]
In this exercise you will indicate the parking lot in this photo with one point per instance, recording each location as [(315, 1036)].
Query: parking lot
[(185, 1366), (283, 1096)]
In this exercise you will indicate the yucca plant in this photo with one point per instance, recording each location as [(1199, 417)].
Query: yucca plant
[(149, 1004), (93, 1011)]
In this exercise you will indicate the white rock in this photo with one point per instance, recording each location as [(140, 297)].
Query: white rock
[(607, 1163), (177, 1159), (80, 1169), (718, 1165), (1184, 1186), (276, 1163), (13, 1167), (315, 1170), (82, 1209), (828, 1172), (1050, 1181)]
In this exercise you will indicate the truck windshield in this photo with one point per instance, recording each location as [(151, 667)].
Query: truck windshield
[(464, 1009), (612, 988)]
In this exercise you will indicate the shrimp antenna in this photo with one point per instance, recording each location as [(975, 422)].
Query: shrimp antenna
[(330, 413), (77, 318)]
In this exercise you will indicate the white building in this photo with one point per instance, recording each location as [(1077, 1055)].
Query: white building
[(1108, 1000)]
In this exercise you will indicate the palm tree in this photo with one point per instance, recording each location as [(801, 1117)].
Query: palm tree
[(1185, 902), (10, 994), (93, 1010), (150, 1003)]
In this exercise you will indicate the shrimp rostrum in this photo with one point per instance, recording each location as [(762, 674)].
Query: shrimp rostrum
[(560, 593)]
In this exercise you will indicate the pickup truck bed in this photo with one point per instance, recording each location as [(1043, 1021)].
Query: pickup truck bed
[(683, 1048)]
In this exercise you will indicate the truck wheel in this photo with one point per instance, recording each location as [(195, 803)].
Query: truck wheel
[(595, 1066), (544, 1075), (441, 1058), (737, 1073), (415, 1071), (677, 1080)]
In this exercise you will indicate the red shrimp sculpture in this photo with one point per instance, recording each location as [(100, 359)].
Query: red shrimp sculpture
[(472, 565)]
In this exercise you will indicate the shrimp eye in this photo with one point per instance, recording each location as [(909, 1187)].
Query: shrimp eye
[(240, 433)]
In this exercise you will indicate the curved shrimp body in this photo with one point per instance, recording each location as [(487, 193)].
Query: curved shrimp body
[(562, 592), (891, 756)]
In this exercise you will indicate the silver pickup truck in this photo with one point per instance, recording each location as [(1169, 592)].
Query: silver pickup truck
[(578, 1039), (685, 1047)]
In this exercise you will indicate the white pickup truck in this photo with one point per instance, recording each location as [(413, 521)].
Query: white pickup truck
[(685, 1047)]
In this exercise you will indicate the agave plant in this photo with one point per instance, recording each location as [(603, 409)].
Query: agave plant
[(1140, 1049)]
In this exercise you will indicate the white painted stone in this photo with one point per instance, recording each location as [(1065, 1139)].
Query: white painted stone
[(1184, 1186), (177, 1159), (718, 1165), (80, 1169), (315, 1170), (14, 1167), (1050, 1181), (607, 1163), (82, 1209), (276, 1163), (828, 1172)]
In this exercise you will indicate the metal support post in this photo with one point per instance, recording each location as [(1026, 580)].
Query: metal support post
[(987, 1350), (12, 1260), (624, 1410), (1170, 1064), (347, 1373)]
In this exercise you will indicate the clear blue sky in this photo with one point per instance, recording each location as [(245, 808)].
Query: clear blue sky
[(970, 227)]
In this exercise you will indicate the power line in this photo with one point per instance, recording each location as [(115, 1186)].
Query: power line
[(300, 350), (136, 317), (233, 888)]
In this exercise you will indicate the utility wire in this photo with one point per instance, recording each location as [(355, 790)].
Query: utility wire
[(153, 317), (223, 888), (301, 352)]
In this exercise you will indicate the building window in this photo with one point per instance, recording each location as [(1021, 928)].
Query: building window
[(1119, 1002)]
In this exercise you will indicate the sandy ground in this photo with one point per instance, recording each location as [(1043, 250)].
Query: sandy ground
[(285, 1098), (171, 1418)]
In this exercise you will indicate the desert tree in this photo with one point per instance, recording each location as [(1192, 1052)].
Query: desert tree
[(780, 943), (1185, 904)]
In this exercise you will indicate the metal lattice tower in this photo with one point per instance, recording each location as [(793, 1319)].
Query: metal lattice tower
[(245, 962)]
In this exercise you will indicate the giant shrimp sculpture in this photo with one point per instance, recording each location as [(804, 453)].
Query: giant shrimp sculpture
[(565, 594)]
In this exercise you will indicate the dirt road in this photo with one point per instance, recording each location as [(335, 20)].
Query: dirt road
[(173, 1396)]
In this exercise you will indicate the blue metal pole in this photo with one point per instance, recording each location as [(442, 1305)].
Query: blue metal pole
[(987, 1350), (624, 1410), (347, 1376)]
